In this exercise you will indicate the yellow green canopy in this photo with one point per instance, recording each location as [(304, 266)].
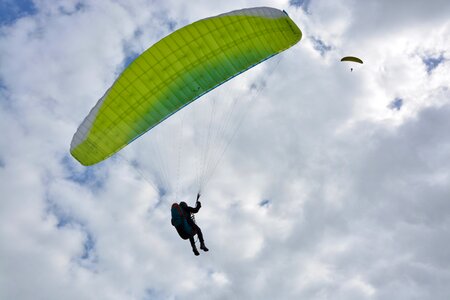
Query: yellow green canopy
[(175, 71)]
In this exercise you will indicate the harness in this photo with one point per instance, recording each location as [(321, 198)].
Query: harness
[(180, 222)]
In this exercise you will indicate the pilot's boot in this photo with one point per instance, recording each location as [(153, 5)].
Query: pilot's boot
[(203, 247)]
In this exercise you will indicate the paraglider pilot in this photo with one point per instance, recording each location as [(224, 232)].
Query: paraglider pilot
[(185, 225)]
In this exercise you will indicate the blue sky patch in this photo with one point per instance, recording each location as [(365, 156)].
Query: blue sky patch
[(320, 46), (2, 163), (154, 294), (172, 25), (63, 217), (161, 192), (264, 203), (4, 95), (131, 54), (73, 10), (88, 259), (304, 4), (88, 246), (12, 10), (86, 176), (432, 62), (396, 104), (129, 59), (6, 101)]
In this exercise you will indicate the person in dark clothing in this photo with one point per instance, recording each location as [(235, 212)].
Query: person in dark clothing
[(187, 211)]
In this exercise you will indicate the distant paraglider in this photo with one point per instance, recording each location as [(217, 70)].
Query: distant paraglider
[(352, 59)]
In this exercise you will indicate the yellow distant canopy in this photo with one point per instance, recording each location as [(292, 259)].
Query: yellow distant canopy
[(175, 71), (352, 58)]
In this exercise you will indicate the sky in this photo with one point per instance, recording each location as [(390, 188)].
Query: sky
[(335, 185)]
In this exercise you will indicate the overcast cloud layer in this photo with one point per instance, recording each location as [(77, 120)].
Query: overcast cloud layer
[(336, 186)]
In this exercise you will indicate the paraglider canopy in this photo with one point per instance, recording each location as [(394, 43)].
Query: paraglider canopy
[(177, 70), (352, 58)]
